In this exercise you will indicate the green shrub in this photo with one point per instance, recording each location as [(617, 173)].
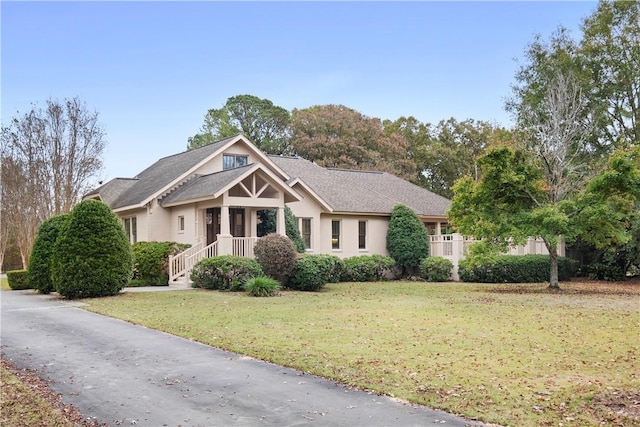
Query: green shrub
[(276, 255), (92, 255), (515, 269), (407, 239), (262, 286), (367, 268), (18, 280), (39, 270), (313, 272), (224, 272), (268, 222), (151, 262), (436, 269)]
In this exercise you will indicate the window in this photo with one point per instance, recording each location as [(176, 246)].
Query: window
[(230, 161), (306, 232), (181, 223), (131, 229), (335, 234), (362, 234)]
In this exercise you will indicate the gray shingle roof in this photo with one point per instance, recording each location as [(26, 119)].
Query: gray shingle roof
[(204, 185), (110, 191), (362, 191), (160, 174)]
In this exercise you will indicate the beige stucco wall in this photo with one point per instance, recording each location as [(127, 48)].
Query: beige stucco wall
[(308, 208), (376, 235), (188, 235)]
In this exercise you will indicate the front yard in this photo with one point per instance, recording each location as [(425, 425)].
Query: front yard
[(507, 354)]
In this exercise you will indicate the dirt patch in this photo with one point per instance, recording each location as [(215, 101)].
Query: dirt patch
[(579, 286), (618, 407), (41, 388)]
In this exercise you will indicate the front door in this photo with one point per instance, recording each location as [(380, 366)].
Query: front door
[(236, 219), (213, 224)]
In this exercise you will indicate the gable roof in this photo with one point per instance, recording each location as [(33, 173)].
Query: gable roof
[(110, 191), (212, 185), (353, 191), (167, 174)]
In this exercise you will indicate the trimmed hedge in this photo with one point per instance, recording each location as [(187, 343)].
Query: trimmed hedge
[(224, 272), (367, 268), (18, 280), (276, 255), (515, 269), (313, 272), (40, 261), (92, 255), (151, 262), (436, 269), (407, 239)]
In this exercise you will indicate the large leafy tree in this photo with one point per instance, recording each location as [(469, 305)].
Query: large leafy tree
[(609, 58), (336, 136), (447, 151), (605, 63), (50, 158), (265, 124), (515, 197)]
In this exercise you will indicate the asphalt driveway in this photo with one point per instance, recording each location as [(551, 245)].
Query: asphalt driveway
[(122, 374)]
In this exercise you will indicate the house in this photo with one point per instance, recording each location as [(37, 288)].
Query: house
[(209, 197)]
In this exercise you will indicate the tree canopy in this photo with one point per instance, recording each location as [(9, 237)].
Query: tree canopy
[(336, 136), (265, 124)]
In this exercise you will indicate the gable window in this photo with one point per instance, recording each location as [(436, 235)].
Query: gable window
[(335, 234), (362, 234), (181, 223), (306, 232), (131, 229), (230, 161)]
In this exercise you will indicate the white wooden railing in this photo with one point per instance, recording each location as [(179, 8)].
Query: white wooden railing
[(181, 264), (455, 247)]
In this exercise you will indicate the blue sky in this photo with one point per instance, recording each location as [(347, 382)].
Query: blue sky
[(153, 69)]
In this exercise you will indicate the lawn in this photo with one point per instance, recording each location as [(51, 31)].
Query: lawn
[(23, 406), (4, 284), (508, 354)]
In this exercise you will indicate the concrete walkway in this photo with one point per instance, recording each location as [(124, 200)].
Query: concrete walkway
[(121, 374)]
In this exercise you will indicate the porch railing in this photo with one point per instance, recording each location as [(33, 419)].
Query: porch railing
[(181, 264)]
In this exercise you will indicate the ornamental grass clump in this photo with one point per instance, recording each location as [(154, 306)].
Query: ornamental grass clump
[(262, 287)]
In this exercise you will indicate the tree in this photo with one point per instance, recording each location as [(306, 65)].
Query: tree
[(40, 261), (49, 157), (407, 239), (606, 66), (92, 255), (513, 199), (265, 124), (446, 152), (336, 136), (610, 61)]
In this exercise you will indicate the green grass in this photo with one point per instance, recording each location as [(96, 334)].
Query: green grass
[(484, 351)]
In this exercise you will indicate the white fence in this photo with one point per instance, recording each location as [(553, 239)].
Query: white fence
[(455, 247)]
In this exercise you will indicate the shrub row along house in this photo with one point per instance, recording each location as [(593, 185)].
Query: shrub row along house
[(210, 197)]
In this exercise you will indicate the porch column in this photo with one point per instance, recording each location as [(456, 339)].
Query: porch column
[(438, 228), (253, 223), (225, 239), (280, 226)]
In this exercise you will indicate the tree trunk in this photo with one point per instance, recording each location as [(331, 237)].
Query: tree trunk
[(553, 274)]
